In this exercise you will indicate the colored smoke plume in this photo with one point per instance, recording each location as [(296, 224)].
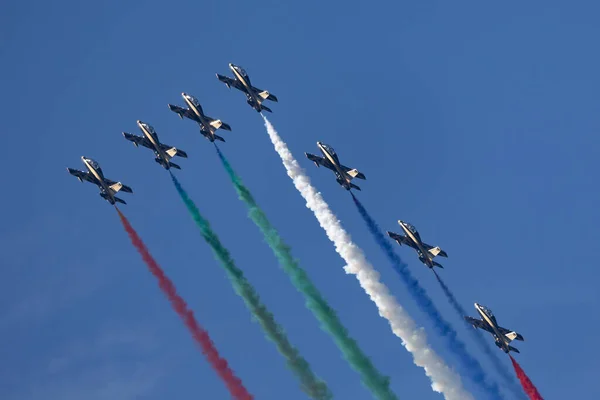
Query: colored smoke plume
[(370, 377), (470, 365), (444, 379), (310, 383), (528, 386), (483, 344), (234, 384)]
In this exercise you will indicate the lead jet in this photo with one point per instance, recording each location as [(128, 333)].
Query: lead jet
[(208, 125), (94, 175), (343, 174), (163, 152), (412, 239), (502, 336), (241, 81)]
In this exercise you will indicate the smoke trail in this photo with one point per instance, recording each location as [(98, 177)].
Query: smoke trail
[(310, 384), (443, 379), (470, 364), (483, 344), (528, 386), (234, 384), (370, 377)]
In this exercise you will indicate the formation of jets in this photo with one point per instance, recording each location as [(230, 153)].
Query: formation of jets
[(344, 175)]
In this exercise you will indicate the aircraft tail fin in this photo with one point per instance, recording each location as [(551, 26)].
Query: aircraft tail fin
[(354, 173), (217, 137), (514, 336)]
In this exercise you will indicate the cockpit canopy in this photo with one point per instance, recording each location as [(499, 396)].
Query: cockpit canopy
[(410, 227), (241, 71), (487, 311), (193, 99), (328, 149), (93, 163), (149, 128)]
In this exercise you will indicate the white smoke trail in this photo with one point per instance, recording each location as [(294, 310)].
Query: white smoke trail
[(443, 379)]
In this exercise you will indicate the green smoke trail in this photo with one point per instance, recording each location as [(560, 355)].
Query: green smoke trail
[(310, 383), (370, 377)]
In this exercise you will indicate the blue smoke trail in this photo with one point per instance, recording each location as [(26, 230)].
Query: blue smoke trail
[(471, 365), (483, 344)]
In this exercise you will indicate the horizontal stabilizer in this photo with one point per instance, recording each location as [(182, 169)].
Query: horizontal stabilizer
[(173, 165), (264, 94), (172, 152), (396, 237), (354, 186), (514, 336), (118, 200), (510, 348), (437, 264), (115, 187), (217, 137), (216, 123), (225, 126), (353, 173), (263, 107), (434, 251)]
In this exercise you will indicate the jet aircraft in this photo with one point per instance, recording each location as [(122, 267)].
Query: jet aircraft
[(163, 152), (241, 81), (208, 125), (343, 174), (502, 336), (412, 239), (94, 175)]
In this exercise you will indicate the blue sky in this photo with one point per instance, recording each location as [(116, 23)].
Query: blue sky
[(476, 122)]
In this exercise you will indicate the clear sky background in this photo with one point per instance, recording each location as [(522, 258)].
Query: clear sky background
[(477, 122)]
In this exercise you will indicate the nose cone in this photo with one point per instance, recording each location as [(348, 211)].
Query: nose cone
[(83, 158), (476, 305), (231, 65), (184, 94), (319, 144)]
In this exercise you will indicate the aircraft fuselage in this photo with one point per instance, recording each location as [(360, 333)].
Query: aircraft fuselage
[(155, 143), (208, 128), (494, 326), (336, 164), (417, 243), (248, 87), (100, 180)]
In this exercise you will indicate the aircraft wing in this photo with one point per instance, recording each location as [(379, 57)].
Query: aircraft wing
[(265, 95), (83, 175), (172, 151), (401, 239), (442, 253), (319, 161), (138, 140), (231, 82), (477, 323), (183, 112), (123, 188), (358, 175)]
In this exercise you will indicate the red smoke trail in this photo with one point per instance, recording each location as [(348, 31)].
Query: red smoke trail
[(531, 390), (233, 383)]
